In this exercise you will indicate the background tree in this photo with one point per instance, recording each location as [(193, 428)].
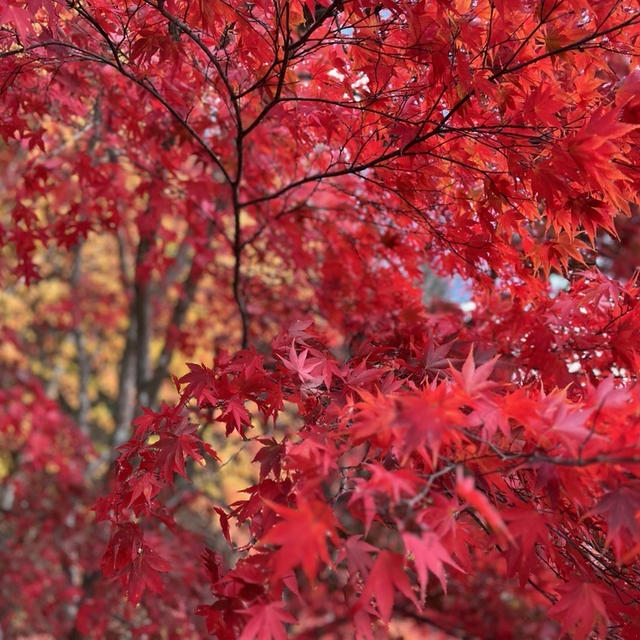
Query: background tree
[(198, 178)]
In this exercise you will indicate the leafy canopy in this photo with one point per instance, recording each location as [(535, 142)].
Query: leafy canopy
[(271, 179)]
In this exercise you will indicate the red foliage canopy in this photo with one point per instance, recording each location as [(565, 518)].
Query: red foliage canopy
[(475, 472)]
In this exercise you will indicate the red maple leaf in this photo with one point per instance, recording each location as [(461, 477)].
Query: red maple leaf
[(387, 577), (306, 369), (580, 607), (200, 383), (266, 622), (175, 446), (465, 488), (302, 536), (474, 380), (428, 554), (144, 573), (620, 509)]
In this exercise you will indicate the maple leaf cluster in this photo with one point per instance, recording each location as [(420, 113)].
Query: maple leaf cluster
[(272, 182), (403, 484), (51, 547)]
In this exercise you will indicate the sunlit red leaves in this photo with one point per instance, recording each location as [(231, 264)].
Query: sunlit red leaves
[(135, 564), (580, 607), (123, 549), (594, 149), (358, 555), (552, 421), (144, 487), (341, 148), (528, 528), (409, 423), (301, 535), (19, 17), (429, 556), (174, 440), (173, 448), (200, 383), (386, 578), (144, 573), (474, 380), (620, 509), (403, 436), (269, 457), (266, 622), (236, 381), (298, 364), (471, 496)]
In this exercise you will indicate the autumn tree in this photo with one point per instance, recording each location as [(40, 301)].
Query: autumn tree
[(255, 189)]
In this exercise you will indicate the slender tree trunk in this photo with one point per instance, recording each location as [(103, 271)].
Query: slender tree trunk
[(142, 305), (135, 362), (84, 366)]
